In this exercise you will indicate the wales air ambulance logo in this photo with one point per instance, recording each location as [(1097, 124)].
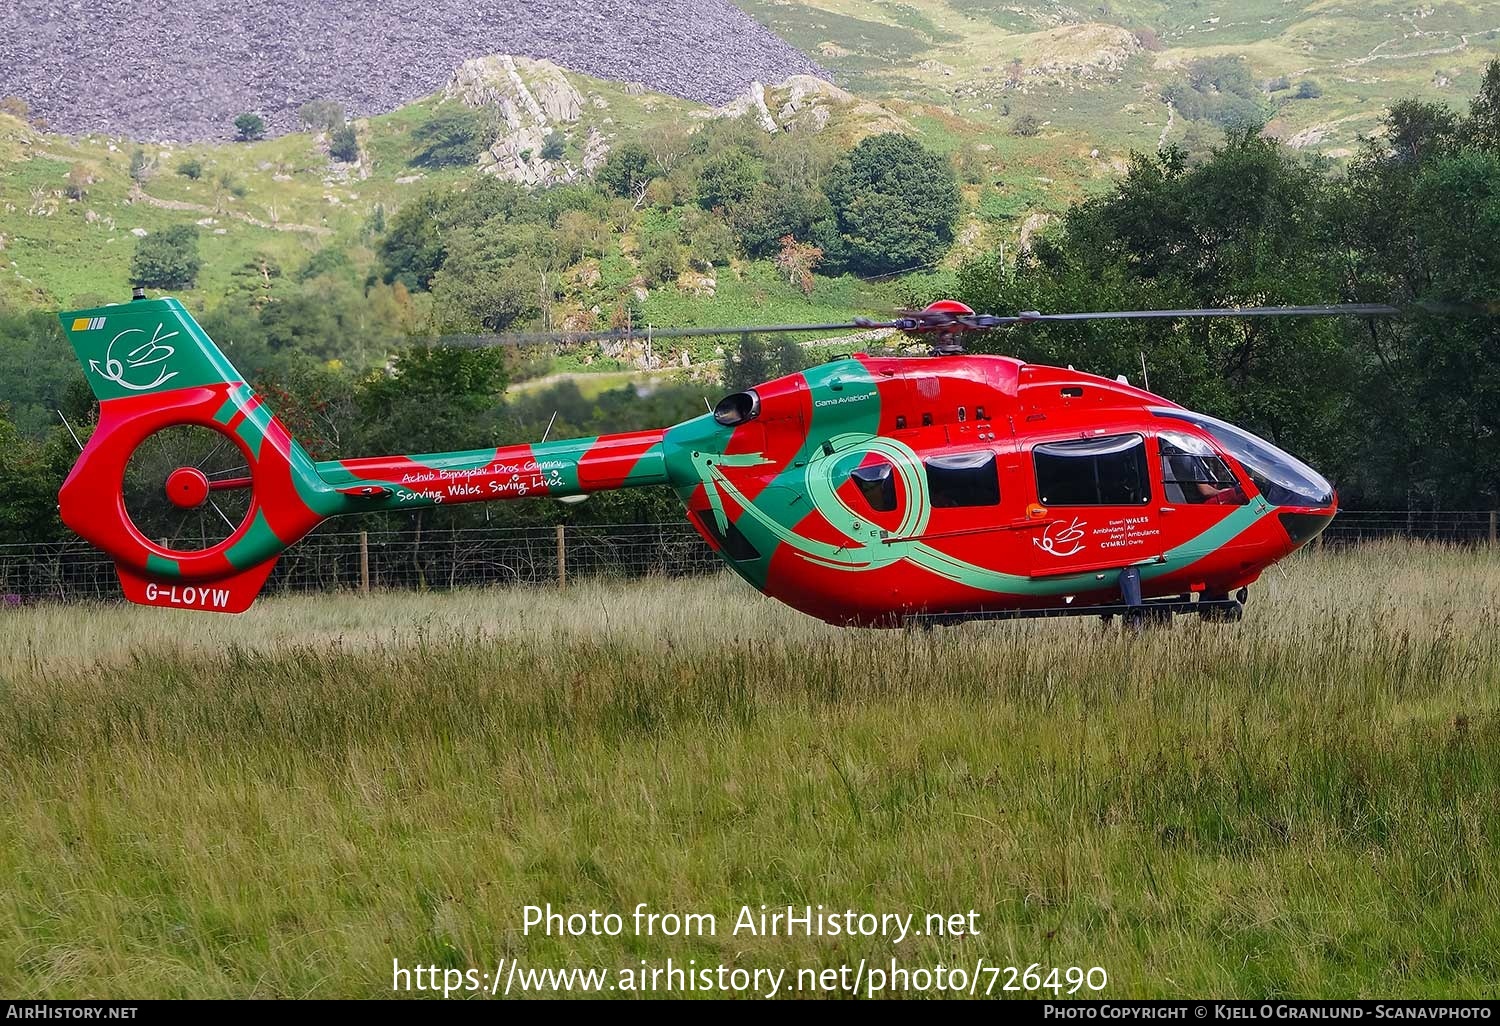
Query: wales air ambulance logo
[(135, 362)]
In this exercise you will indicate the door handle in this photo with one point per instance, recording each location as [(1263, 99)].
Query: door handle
[(1164, 509)]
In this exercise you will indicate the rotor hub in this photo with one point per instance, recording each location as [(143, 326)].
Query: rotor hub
[(187, 487)]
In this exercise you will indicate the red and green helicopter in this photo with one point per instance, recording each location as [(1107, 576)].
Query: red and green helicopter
[(869, 490)]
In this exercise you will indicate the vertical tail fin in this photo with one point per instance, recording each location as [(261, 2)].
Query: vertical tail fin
[(143, 348)]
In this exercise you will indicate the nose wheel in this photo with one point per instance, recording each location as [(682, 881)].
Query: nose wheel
[(188, 488)]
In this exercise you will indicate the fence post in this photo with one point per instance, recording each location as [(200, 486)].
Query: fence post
[(364, 563), (562, 558), (1493, 516)]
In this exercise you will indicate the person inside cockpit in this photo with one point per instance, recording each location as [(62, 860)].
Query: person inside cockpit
[(1194, 474)]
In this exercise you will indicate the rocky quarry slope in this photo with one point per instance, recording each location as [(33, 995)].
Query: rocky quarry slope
[(184, 70)]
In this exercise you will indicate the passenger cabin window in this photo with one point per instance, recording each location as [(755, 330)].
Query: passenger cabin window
[(877, 483), (1108, 471), (964, 479), (1193, 474)]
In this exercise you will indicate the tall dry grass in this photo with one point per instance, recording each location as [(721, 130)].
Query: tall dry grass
[(280, 803)]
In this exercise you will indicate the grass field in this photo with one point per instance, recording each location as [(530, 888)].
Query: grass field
[(279, 804)]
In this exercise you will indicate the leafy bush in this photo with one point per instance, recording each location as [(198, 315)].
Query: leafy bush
[(191, 168), (727, 179), (1026, 126), (554, 147), (249, 127), (1307, 89), (660, 261), (343, 145), (167, 259), (1219, 90)]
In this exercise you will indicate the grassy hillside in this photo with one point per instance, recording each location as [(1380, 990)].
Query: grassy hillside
[(960, 74), (281, 198), (1095, 72), (279, 804)]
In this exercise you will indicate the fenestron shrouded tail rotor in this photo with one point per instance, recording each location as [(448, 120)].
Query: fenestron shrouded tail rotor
[(187, 481)]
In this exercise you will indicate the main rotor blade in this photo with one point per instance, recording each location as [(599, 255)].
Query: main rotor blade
[(921, 321), (1324, 310), (541, 337)]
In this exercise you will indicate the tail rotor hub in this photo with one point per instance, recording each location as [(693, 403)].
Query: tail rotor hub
[(187, 487)]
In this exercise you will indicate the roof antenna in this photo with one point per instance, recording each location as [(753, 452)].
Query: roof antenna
[(70, 430), (1144, 376), (549, 426)]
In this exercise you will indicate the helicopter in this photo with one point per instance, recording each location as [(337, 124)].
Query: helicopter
[(876, 491)]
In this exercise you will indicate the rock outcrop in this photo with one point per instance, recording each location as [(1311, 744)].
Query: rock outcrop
[(538, 107), (808, 103)]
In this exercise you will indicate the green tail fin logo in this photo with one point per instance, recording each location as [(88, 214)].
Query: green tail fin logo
[(142, 347)]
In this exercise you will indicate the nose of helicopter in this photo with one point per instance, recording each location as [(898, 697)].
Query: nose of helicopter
[(1303, 523)]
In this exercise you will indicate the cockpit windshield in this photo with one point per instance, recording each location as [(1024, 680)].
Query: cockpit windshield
[(1283, 479)]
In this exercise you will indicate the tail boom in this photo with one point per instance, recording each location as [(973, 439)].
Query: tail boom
[(561, 469), (152, 368)]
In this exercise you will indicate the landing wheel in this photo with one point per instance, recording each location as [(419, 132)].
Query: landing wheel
[(1224, 614), (188, 488)]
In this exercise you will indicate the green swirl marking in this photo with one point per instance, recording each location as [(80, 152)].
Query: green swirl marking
[(871, 547)]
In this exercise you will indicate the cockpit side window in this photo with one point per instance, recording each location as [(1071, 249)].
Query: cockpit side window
[(1192, 473), (1283, 479), (877, 483)]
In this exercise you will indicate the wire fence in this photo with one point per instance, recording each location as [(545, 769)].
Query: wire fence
[(329, 560)]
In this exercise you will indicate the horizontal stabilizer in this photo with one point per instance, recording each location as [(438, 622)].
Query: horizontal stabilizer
[(224, 595)]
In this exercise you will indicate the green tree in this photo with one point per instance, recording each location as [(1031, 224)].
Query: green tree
[(774, 211), (895, 204), (167, 259), (1244, 227), (661, 258), (747, 364), (554, 147), (436, 399), (343, 144), (626, 171), (492, 275), (249, 127), (139, 169), (1415, 129), (191, 168), (1482, 126), (413, 248), (727, 179), (31, 472)]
